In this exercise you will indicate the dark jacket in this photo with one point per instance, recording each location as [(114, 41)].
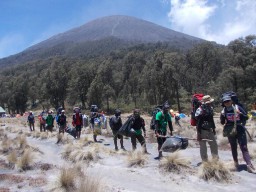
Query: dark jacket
[(204, 116), (115, 123)]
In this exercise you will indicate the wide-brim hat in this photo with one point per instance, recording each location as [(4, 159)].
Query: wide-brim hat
[(207, 99)]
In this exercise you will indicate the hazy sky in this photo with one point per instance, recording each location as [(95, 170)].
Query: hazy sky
[(24, 23)]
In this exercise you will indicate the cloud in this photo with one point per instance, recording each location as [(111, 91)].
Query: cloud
[(190, 16), (221, 21), (11, 44)]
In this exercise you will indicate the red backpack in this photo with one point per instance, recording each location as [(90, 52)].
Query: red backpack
[(195, 104)]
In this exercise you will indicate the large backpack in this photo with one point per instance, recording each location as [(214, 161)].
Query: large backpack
[(153, 119), (196, 102)]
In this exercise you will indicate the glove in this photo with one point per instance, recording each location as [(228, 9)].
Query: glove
[(214, 132), (199, 137), (145, 134)]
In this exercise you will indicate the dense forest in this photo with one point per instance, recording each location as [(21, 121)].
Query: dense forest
[(139, 77)]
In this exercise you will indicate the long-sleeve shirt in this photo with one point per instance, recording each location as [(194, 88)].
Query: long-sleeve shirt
[(204, 116)]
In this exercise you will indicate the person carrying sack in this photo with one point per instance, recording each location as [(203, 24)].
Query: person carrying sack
[(232, 119), (206, 128), (163, 118)]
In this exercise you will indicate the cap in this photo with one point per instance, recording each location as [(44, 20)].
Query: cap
[(226, 98)]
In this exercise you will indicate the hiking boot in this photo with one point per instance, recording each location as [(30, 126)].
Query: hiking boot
[(116, 148), (158, 157), (251, 169)]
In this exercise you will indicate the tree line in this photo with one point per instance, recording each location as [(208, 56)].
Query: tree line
[(142, 76)]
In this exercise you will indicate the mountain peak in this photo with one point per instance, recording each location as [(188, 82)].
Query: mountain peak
[(119, 26)]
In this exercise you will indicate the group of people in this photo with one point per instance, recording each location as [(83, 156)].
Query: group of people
[(232, 115), (138, 131)]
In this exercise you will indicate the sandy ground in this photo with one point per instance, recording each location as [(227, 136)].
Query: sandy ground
[(112, 167)]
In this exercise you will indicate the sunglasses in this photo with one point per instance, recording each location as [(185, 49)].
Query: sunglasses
[(227, 101)]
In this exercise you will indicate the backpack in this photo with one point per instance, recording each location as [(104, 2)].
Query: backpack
[(153, 119), (195, 104)]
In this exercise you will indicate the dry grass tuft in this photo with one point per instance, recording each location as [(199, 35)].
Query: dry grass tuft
[(76, 179), (22, 140), (174, 163), (66, 152), (90, 184), (136, 158), (214, 170), (25, 161), (66, 181), (6, 144), (87, 155), (12, 158)]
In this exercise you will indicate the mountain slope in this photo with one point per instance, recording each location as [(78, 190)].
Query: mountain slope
[(102, 36)]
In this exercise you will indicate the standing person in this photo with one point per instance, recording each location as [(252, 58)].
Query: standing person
[(206, 128), (78, 121), (138, 124), (95, 121), (233, 115), (162, 119), (31, 121), (62, 121), (42, 122), (115, 124), (50, 121)]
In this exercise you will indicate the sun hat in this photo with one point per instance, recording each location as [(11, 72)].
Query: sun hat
[(207, 99)]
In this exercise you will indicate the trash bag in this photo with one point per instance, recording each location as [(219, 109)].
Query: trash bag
[(174, 143), (71, 131), (126, 129)]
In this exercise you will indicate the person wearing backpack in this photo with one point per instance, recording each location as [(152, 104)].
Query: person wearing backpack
[(62, 122), (50, 121), (137, 125), (77, 121), (233, 115), (31, 121), (162, 119), (206, 128), (42, 122), (115, 123), (95, 122)]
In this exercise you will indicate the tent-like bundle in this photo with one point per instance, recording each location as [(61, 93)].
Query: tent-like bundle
[(2, 112)]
